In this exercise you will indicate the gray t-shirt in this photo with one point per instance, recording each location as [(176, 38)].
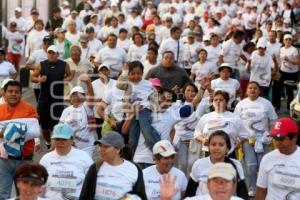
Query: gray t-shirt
[(169, 77)]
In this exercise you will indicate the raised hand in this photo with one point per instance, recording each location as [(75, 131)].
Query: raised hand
[(167, 187)]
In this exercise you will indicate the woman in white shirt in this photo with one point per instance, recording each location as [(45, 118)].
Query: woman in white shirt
[(202, 68), (219, 144), (289, 70), (225, 83), (35, 38), (258, 115), (138, 49), (78, 115), (7, 70), (220, 119)]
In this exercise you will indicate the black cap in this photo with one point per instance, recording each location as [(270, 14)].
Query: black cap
[(48, 38)]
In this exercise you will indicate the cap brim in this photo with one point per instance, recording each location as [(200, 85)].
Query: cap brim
[(60, 137), (34, 180), (221, 175), (220, 68), (98, 142), (168, 153)]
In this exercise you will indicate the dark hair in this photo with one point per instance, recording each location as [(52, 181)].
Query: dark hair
[(248, 45), (32, 168), (224, 94), (170, 52), (135, 64), (200, 50), (190, 84), (137, 34), (214, 35), (253, 82), (222, 134), (55, 10), (112, 35), (154, 50), (238, 34), (163, 90), (121, 15), (153, 44), (12, 83), (39, 21), (123, 30), (126, 153), (174, 29)]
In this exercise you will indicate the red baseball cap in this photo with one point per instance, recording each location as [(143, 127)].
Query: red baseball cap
[(283, 127)]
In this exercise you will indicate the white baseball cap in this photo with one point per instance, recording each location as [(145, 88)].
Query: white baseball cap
[(164, 148), (222, 170), (18, 9), (261, 44), (206, 38), (77, 89), (53, 48), (287, 36)]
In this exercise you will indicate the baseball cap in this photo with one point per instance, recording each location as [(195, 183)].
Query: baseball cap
[(84, 38), (287, 36), (32, 172), (218, 10), (34, 12), (206, 38), (164, 148), (59, 30), (225, 65), (66, 3), (283, 126), (222, 170), (90, 29), (103, 65), (18, 9), (113, 4), (52, 48), (112, 138), (48, 38), (62, 131), (77, 89), (74, 12), (261, 44), (155, 82)]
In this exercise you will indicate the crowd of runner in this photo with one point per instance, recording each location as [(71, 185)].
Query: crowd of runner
[(179, 98)]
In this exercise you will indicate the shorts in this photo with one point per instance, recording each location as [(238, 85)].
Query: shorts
[(49, 115)]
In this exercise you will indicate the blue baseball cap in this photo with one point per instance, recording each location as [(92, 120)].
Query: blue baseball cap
[(62, 131)]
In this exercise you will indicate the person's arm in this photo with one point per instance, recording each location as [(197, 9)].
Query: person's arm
[(101, 109), (295, 60), (248, 66), (35, 77), (90, 91), (68, 73), (261, 193), (191, 188)]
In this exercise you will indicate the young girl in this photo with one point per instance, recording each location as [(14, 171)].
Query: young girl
[(139, 92)]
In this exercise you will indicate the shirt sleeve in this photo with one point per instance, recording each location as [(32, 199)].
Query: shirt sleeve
[(262, 178)]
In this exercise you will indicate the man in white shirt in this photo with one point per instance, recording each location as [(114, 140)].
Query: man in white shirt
[(279, 172), (112, 55), (164, 155), (174, 45), (72, 34)]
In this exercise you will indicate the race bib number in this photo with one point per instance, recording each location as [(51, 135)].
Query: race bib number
[(287, 181), (65, 183)]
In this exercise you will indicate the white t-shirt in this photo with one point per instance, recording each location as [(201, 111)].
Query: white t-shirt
[(172, 45), (101, 89), (6, 70), (141, 92), (261, 68), (229, 122), (14, 46), (207, 197), (78, 120), (184, 130), (66, 173), (39, 198), (147, 67), (73, 38), (200, 169), (136, 53), (114, 100), (115, 58), (286, 66), (124, 44), (114, 182), (231, 52), (201, 70), (280, 174), (163, 122), (230, 86), (152, 182), (213, 54), (256, 115), (249, 20)]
